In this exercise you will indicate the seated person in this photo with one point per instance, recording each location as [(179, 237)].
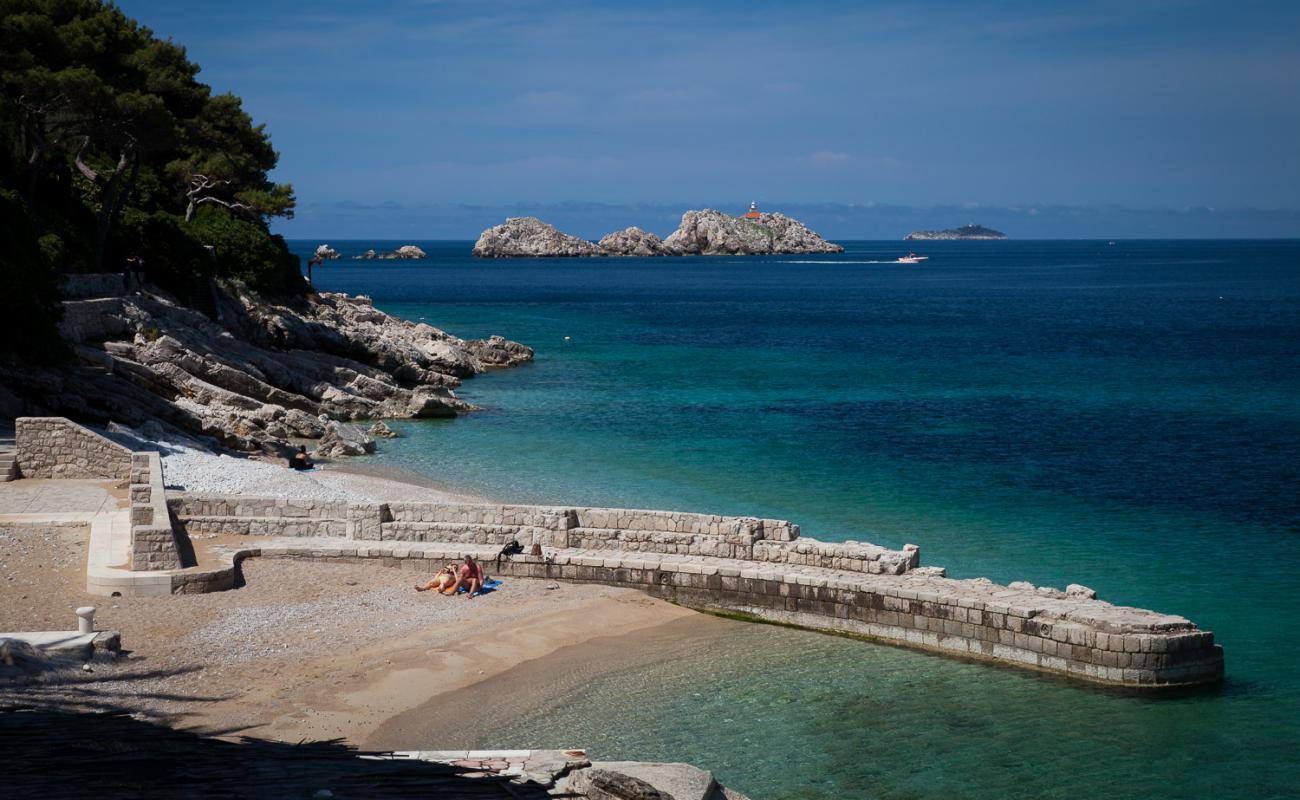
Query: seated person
[(470, 576), (299, 460), (445, 577)]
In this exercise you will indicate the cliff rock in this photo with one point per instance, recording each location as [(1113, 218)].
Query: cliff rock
[(634, 242), (711, 233), (327, 253), (253, 373), (529, 237)]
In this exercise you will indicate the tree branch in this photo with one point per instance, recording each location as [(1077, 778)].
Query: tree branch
[(81, 165)]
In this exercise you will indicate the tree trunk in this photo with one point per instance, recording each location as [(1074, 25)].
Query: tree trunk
[(115, 192)]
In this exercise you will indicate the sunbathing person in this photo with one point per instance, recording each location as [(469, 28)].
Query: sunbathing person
[(470, 576), (445, 577), (299, 460)]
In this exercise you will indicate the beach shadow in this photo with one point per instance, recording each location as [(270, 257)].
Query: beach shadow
[(54, 753)]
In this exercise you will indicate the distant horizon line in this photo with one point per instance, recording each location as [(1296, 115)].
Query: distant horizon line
[(843, 239)]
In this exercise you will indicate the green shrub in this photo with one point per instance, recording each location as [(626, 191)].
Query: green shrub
[(245, 250)]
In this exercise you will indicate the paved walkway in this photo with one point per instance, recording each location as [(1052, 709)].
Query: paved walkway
[(29, 503)]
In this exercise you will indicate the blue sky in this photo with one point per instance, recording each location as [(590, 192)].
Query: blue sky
[(436, 117)]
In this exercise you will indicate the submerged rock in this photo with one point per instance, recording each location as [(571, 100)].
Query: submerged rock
[(381, 430), (713, 233), (529, 237), (634, 242)]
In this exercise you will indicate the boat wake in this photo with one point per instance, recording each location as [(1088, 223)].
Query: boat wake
[(828, 261)]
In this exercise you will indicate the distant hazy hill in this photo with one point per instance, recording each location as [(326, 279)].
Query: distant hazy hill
[(964, 232)]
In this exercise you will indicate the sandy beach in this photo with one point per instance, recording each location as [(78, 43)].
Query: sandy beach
[(311, 650)]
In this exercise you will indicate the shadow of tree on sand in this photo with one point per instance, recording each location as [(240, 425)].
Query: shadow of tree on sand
[(66, 734), (61, 752)]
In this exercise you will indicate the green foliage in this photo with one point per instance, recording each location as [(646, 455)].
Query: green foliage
[(109, 146), (244, 251)]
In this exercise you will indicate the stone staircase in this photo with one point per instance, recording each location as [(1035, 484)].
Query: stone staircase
[(8, 456)]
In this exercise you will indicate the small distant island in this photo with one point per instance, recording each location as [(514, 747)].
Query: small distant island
[(964, 232), (701, 233)]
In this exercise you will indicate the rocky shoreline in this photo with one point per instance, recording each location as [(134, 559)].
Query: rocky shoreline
[(701, 233), (251, 375)]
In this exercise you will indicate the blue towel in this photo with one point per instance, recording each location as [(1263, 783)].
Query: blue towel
[(488, 585)]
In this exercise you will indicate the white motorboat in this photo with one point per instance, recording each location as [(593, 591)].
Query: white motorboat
[(912, 258)]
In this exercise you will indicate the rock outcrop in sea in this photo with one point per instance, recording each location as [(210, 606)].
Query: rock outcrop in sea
[(406, 251), (634, 242), (713, 233), (327, 253), (529, 237), (701, 233), (250, 374), (964, 232)]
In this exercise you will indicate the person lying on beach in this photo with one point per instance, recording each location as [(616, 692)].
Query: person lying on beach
[(445, 577), (470, 576)]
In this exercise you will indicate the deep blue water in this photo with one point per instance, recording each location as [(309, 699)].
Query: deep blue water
[(1124, 416)]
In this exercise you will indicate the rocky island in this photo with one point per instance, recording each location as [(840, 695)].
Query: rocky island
[(964, 232), (406, 251), (701, 233)]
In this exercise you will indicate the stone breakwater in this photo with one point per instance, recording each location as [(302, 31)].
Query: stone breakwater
[(755, 567)]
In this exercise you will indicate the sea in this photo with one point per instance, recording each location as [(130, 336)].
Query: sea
[(1123, 415)]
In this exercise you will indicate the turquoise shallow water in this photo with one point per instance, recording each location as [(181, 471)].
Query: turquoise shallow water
[(1125, 416)]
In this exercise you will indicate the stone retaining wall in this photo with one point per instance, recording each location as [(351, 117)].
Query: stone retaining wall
[(613, 529), (53, 447), (153, 542)]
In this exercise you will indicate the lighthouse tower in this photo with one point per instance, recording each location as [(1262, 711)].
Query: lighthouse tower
[(753, 211)]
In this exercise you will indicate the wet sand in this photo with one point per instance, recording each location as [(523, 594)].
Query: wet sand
[(536, 686)]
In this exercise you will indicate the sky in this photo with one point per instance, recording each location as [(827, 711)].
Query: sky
[(435, 118)]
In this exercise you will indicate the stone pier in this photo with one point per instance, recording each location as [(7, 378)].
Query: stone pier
[(757, 568)]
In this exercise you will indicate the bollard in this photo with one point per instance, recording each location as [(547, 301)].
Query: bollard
[(86, 619)]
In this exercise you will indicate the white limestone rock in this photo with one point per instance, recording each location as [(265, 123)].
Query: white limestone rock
[(256, 373), (327, 253), (342, 439), (407, 251), (634, 242), (529, 237), (711, 233), (1079, 590)]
